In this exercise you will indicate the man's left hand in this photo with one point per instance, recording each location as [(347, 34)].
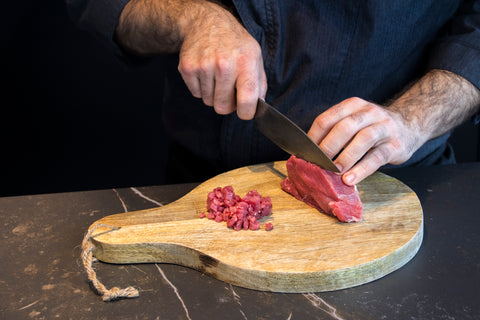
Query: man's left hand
[(365, 136)]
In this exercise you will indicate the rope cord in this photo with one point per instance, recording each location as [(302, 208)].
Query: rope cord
[(114, 293)]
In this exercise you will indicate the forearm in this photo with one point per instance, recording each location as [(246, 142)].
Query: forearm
[(148, 27), (437, 103)]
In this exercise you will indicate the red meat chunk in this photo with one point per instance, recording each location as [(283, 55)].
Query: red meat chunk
[(322, 189), (268, 226), (239, 213)]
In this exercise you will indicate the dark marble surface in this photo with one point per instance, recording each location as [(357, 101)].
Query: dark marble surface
[(41, 275)]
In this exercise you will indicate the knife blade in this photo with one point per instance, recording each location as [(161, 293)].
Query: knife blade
[(290, 137)]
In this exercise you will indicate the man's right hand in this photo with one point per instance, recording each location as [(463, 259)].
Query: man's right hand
[(220, 62)]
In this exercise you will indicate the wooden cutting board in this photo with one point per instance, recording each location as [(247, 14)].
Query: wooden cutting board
[(307, 251)]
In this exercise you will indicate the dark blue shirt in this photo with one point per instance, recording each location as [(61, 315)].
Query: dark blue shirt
[(316, 54)]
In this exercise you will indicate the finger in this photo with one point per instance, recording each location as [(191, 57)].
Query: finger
[(322, 125), (224, 95), (207, 83), (248, 91), (373, 160), (190, 77), (263, 81), (364, 140), (346, 129)]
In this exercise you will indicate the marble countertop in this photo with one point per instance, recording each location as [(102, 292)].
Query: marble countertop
[(42, 277)]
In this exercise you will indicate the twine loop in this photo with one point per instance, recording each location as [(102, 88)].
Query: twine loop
[(114, 293)]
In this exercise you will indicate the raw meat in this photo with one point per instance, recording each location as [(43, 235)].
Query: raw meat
[(322, 189), (224, 205), (268, 226)]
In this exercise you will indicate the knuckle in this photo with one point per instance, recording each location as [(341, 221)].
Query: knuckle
[(220, 109), (371, 108), (347, 124), (224, 101), (370, 134), (243, 60), (186, 68), (250, 59), (355, 100), (348, 158), (363, 168), (320, 122), (245, 102), (381, 155), (205, 66), (207, 97), (222, 104), (373, 134), (223, 107), (328, 149), (250, 87), (357, 117), (224, 66)]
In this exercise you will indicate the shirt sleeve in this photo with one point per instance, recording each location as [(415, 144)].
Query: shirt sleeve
[(99, 18), (458, 48)]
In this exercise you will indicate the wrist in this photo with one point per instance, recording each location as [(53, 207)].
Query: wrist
[(202, 15)]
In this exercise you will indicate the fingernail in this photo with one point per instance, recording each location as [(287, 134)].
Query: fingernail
[(348, 178)]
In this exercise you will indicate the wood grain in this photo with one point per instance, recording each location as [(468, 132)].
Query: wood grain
[(307, 251)]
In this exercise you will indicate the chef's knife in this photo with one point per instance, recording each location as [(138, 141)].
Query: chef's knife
[(290, 137)]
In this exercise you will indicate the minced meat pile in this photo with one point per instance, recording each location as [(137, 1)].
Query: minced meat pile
[(239, 213)]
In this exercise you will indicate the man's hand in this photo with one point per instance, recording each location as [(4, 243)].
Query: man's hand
[(220, 61), (366, 136)]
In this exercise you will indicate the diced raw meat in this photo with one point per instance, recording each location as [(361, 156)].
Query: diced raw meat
[(322, 189), (224, 205)]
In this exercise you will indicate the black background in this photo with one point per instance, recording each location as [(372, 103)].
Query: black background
[(74, 119)]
